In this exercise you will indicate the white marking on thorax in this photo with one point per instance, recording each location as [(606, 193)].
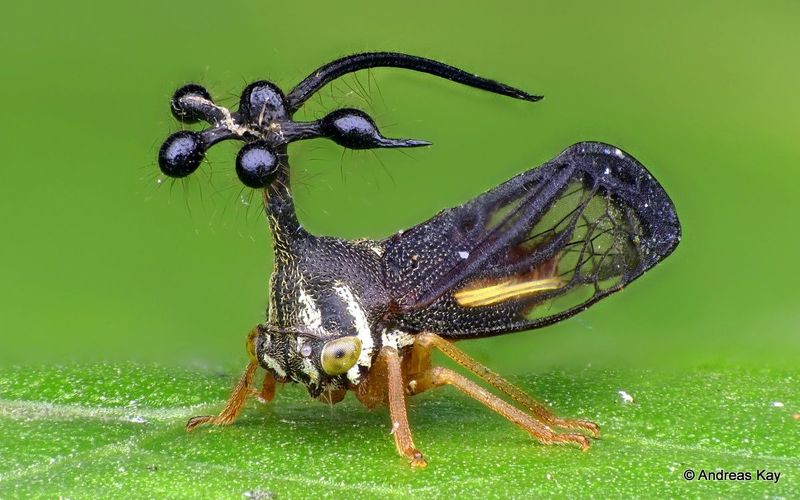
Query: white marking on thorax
[(361, 324), (396, 338), (309, 313), (274, 366)]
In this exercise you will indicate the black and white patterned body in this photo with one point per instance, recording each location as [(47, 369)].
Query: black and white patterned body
[(590, 221), (323, 289)]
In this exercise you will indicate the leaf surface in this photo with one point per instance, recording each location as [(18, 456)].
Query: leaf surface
[(89, 431)]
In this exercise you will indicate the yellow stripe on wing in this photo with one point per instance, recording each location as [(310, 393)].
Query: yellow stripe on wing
[(505, 290)]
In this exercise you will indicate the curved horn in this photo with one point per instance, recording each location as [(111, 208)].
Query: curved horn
[(333, 70)]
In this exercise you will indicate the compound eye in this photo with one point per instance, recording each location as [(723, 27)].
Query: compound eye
[(181, 153), (255, 164), (340, 355), (188, 102)]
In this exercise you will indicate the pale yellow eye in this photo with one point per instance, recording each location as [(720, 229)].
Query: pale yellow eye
[(340, 355)]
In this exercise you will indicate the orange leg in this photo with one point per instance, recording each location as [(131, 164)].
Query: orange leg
[(438, 376), (239, 394), (267, 392), (425, 342), (385, 385), (397, 410)]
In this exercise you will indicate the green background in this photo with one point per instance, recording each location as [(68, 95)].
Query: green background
[(102, 263)]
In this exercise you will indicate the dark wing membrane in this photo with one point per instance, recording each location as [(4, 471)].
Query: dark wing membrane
[(539, 248)]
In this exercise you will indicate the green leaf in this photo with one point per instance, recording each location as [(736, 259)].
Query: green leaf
[(117, 431)]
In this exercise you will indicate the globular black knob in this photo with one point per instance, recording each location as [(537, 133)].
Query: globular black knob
[(181, 153), (186, 111), (351, 128), (255, 164), (262, 102)]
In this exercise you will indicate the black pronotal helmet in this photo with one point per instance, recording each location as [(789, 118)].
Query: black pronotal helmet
[(264, 121)]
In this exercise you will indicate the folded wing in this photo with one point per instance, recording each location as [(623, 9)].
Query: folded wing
[(539, 248)]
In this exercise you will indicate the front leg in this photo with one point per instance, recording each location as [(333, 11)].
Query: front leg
[(397, 410), (385, 385), (243, 389)]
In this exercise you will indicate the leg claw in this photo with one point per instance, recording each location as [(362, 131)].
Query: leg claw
[(592, 428), (580, 440), (417, 460), (197, 421)]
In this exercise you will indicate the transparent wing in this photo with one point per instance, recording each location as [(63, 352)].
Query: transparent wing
[(541, 247)]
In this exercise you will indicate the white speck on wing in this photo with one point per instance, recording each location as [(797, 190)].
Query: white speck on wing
[(463, 254)]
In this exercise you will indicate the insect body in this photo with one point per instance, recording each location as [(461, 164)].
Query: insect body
[(364, 316)]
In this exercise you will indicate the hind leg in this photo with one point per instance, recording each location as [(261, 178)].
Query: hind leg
[(418, 367), (438, 376)]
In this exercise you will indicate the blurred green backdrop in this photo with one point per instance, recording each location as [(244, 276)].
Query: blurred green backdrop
[(100, 262)]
